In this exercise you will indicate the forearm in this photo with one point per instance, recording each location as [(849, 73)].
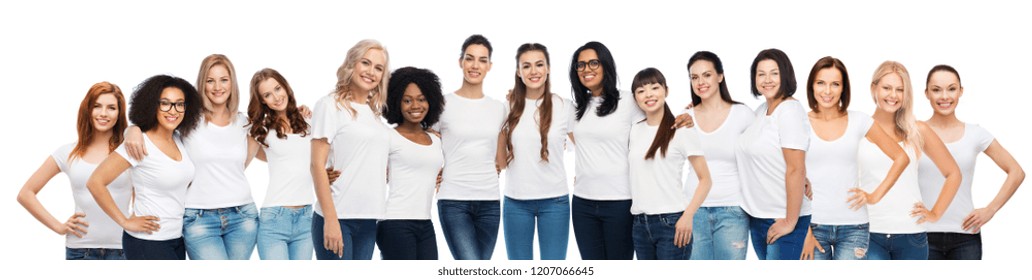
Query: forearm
[(31, 203), (949, 191), (705, 184), (103, 197), (793, 193), (1010, 186)]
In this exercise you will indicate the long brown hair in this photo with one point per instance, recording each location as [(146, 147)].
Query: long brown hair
[(665, 132), (263, 119), (84, 125), (518, 99)]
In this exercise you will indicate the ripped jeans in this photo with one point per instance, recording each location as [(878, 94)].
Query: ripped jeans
[(720, 233), (841, 242)]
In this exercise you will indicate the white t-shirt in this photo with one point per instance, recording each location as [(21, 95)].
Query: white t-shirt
[(833, 170), (720, 158), (528, 177), (761, 162), (160, 184), (602, 171), (891, 215), (290, 175), (413, 177), (103, 232), (218, 153), (469, 136), (965, 151), (656, 183), (358, 148)]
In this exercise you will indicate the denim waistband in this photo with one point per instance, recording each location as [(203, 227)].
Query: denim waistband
[(224, 210)]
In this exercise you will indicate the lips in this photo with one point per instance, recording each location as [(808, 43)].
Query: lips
[(944, 104), (171, 118), (103, 121), (704, 88), (473, 74), (589, 77), (534, 79)]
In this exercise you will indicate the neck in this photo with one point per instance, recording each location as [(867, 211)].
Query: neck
[(773, 103), (535, 93), (828, 113), (471, 91), (219, 110), (358, 95), (101, 138), (410, 127), (714, 102), (654, 118), (596, 91), (884, 118), (940, 120), (160, 133)]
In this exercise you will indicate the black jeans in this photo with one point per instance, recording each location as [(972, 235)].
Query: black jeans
[(954, 246), (406, 239), (140, 249), (603, 229)]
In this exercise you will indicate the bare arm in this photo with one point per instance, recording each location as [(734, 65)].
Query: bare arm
[(332, 236), (795, 177), (261, 154), (1015, 175), (27, 198), (940, 155), (899, 162), (683, 228), (502, 156), (252, 150), (108, 171)]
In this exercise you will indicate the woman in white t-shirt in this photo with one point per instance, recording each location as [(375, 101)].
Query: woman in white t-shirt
[(536, 193), (771, 157), (165, 108), (347, 130), (414, 104), (839, 228), (720, 229), (663, 211), (957, 235), (89, 233), (897, 231)]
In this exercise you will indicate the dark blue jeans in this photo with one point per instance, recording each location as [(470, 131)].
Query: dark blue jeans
[(898, 246), (954, 246), (603, 229), (788, 247), (406, 240), (654, 238), (359, 239), (90, 254), (470, 227), (139, 249)]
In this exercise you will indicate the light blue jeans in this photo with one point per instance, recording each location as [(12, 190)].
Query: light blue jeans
[(552, 217), (842, 242), (285, 233), (720, 233), (221, 234)]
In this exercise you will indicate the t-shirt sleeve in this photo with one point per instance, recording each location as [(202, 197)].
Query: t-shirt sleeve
[(60, 156), (792, 127), (690, 142), (863, 122), (122, 152), (984, 137), (325, 119)]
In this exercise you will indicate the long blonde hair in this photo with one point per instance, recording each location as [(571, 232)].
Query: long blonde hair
[(378, 97), (906, 124), (233, 104)]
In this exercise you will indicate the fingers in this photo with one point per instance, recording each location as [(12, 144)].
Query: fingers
[(819, 248), (75, 230)]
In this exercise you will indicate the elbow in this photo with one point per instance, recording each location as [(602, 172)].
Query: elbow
[(1019, 175), (24, 196), (902, 159)]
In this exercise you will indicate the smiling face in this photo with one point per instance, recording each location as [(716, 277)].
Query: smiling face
[(218, 84), (413, 104), (475, 63), (173, 99), (944, 92), (592, 74), (768, 78), (369, 70), (705, 79), (533, 69), (827, 89), (104, 115), (888, 93), (273, 95), (651, 97)]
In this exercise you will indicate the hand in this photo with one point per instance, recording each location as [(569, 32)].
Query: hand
[(434, 132), (974, 221), (305, 111), (332, 174), (134, 143), (683, 231), (807, 189), (683, 121), (858, 198), (780, 228), (809, 245), (333, 239), (75, 225), (145, 224), (924, 215)]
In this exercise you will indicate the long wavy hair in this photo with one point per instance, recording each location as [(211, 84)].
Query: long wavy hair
[(84, 124), (906, 124), (610, 93), (233, 104), (518, 99), (665, 132), (263, 119), (378, 97)]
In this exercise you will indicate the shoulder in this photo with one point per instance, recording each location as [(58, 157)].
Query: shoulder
[(924, 128)]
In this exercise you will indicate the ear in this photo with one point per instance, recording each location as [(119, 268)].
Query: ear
[(960, 92), (721, 80)]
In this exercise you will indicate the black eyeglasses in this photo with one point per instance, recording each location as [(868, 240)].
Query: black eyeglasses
[(591, 64), (166, 106)]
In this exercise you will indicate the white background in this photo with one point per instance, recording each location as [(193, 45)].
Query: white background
[(53, 51)]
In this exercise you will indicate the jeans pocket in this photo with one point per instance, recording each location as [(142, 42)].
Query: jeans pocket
[(918, 240), (248, 211), (268, 214), (670, 220), (190, 216)]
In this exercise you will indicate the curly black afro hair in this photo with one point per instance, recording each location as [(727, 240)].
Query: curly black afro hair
[(143, 106), (427, 82)]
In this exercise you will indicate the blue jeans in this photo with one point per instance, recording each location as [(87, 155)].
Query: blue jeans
[(285, 233), (91, 254), (406, 240), (788, 247), (359, 239), (140, 249), (603, 229), (221, 234), (954, 246), (720, 233), (898, 246), (842, 242), (470, 227), (552, 216), (654, 238)]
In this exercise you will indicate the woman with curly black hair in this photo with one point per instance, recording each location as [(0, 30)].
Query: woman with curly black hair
[(414, 104), (166, 108)]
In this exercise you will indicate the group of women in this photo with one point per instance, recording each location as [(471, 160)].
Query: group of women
[(362, 168)]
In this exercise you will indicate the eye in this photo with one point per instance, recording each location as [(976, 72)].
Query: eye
[(695, 77), (820, 83)]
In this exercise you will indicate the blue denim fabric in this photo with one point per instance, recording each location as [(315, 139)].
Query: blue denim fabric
[(406, 240), (470, 227), (654, 238), (285, 233), (603, 229), (140, 249), (954, 246), (552, 217), (842, 242), (359, 239), (221, 234), (92, 254), (720, 233), (898, 246), (788, 247)]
